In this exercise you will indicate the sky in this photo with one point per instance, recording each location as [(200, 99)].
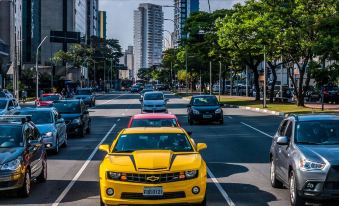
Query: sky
[(120, 16)]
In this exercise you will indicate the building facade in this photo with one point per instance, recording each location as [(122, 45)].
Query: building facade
[(102, 21), (148, 36), (92, 18), (182, 10)]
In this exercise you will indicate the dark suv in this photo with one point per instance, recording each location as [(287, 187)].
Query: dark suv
[(22, 154), (76, 116), (305, 157)]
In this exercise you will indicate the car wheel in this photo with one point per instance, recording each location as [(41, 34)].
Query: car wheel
[(81, 132), (56, 149), (274, 181), (25, 190), (295, 198), (65, 144), (43, 175), (190, 121), (221, 121), (88, 130)]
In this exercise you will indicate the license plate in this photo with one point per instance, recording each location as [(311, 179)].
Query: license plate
[(207, 116), (153, 191)]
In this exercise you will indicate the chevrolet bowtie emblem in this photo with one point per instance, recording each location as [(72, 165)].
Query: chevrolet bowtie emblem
[(152, 178)]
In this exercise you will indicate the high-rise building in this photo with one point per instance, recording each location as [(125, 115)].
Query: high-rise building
[(128, 60), (182, 10), (92, 18), (148, 36), (102, 21)]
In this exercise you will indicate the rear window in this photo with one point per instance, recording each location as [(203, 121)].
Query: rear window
[(154, 123)]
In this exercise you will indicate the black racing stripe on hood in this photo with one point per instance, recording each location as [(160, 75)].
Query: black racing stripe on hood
[(130, 156)]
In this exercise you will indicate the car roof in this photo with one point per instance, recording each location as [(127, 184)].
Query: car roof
[(154, 92), (50, 94), (68, 100), (317, 117), (203, 95), (37, 109), (154, 116), (153, 130)]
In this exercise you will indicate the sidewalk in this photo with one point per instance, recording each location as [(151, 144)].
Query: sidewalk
[(334, 107)]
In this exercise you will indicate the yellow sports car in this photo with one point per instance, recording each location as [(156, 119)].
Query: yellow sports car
[(153, 166)]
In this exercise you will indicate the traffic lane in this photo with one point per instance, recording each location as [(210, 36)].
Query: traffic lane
[(63, 167), (238, 157)]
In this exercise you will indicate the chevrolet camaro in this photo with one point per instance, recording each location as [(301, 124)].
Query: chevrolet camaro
[(153, 166)]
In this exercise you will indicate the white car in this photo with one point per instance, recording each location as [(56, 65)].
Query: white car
[(154, 102)]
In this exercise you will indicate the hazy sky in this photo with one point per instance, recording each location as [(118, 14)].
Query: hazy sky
[(120, 16)]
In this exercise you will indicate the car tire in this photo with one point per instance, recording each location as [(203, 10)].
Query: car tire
[(43, 175), (295, 198), (57, 146), (221, 121), (190, 121), (25, 190), (275, 183), (88, 129), (81, 132), (65, 144)]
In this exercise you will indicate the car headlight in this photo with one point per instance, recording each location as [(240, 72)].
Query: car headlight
[(195, 111), (191, 174), (113, 175), (12, 165), (307, 165), (218, 111), (48, 134), (76, 121)]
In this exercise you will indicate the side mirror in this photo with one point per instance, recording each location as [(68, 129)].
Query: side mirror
[(201, 146), (104, 148), (282, 140), (60, 121)]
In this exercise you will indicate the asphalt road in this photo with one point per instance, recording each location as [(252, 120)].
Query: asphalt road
[(237, 157)]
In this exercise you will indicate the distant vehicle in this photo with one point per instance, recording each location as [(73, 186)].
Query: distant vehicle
[(144, 91), (8, 106), (86, 94), (161, 87), (47, 99), (22, 155), (76, 116), (331, 94), (135, 89), (148, 87), (304, 157), (205, 108), (51, 126), (153, 102), (8, 93), (153, 120)]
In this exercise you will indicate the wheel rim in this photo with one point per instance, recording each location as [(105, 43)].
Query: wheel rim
[(272, 171), (28, 183), (292, 188)]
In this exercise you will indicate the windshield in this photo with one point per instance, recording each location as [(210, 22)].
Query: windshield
[(146, 90), (133, 142), (11, 136), (318, 132), (3, 104), (67, 107), (154, 96), (84, 92), (39, 117), (205, 101), (154, 123), (50, 98)]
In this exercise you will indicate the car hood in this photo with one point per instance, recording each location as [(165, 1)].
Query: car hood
[(154, 102), (152, 160), (206, 108), (70, 116), (44, 128), (3, 111), (9, 154), (320, 152), (82, 96)]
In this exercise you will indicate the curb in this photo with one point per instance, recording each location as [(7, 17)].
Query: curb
[(259, 110)]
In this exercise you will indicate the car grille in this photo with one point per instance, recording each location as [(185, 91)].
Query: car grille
[(332, 181), (153, 178), (140, 196), (6, 184)]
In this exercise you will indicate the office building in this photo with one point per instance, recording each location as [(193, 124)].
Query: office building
[(148, 36), (128, 61), (182, 10), (92, 18), (102, 21)]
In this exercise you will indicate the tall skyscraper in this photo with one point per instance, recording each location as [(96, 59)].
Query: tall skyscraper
[(92, 18), (102, 21), (182, 10), (148, 36)]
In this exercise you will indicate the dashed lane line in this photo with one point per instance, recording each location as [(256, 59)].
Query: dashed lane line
[(258, 130)]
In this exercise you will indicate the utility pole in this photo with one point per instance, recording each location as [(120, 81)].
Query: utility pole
[(246, 81), (220, 65), (281, 77), (186, 73), (36, 67), (264, 97), (210, 77), (105, 76)]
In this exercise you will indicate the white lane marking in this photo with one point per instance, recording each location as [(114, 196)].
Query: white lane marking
[(110, 100), (258, 130), (221, 190), (229, 117), (118, 120), (123, 114), (82, 169)]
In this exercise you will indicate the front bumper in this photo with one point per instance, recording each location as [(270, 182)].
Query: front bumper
[(207, 117), (154, 110), (11, 181), (73, 128), (49, 143), (128, 193)]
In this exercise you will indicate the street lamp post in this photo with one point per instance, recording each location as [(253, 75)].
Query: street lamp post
[(264, 97), (210, 77), (36, 67)]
